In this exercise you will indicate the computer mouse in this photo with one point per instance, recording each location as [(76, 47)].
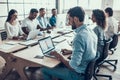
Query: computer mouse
[(48, 31)]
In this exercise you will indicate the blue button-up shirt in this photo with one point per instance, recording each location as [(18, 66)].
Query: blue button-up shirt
[(84, 48), (53, 21)]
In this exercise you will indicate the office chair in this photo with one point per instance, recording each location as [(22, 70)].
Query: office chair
[(101, 60), (89, 72), (3, 35), (112, 48), (114, 43)]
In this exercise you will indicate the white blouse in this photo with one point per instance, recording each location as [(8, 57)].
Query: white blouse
[(13, 30), (112, 27)]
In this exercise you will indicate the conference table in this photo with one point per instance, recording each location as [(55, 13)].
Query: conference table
[(20, 56)]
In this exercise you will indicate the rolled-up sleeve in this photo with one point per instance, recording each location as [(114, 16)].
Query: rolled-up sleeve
[(78, 50)]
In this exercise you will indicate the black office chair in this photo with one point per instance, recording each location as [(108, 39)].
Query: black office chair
[(112, 48), (3, 35), (102, 59), (89, 72), (114, 43)]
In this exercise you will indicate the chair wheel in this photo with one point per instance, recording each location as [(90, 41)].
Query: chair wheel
[(116, 62), (110, 78), (114, 68)]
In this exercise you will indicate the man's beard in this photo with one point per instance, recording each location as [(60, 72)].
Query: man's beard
[(73, 26)]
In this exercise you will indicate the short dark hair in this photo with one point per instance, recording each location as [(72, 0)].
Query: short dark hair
[(53, 9), (109, 11), (33, 10), (41, 9), (77, 12), (100, 17)]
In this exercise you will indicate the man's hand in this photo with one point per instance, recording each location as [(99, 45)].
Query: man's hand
[(66, 52), (57, 55)]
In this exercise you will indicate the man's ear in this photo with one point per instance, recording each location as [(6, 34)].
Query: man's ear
[(75, 19)]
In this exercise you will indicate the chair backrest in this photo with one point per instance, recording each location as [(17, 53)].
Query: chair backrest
[(3, 35), (104, 53), (106, 48), (114, 42), (90, 69)]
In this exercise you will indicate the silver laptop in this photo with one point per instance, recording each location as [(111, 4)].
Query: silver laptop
[(32, 34), (46, 45)]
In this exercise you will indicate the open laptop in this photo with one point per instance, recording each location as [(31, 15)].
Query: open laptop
[(32, 34), (30, 38), (46, 45)]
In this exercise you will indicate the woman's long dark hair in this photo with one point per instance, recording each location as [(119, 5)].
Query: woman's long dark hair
[(11, 12), (100, 18)]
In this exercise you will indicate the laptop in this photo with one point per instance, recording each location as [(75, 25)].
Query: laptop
[(32, 34), (30, 38), (46, 45)]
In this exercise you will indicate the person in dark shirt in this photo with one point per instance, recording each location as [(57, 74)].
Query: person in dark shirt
[(53, 18)]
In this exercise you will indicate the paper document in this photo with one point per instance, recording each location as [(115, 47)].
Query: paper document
[(6, 46), (11, 42), (59, 39), (29, 42)]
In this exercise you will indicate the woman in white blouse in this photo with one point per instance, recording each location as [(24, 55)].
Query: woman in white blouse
[(13, 27)]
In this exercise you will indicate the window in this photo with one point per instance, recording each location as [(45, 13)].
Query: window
[(23, 7), (90, 4), (3, 0), (18, 7), (3, 10), (83, 3), (67, 4), (2, 22), (116, 4), (94, 4)]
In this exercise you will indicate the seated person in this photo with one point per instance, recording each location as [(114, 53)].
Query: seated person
[(53, 18), (13, 27), (112, 25), (84, 50), (99, 18), (30, 23), (44, 23)]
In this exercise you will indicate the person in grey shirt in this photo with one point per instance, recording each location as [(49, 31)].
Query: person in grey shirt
[(84, 49), (98, 16)]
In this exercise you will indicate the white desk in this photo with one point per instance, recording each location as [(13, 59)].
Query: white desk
[(21, 59)]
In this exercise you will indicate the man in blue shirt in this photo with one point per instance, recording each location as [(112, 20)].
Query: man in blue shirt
[(53, 17), (43, 21), (84, 50)]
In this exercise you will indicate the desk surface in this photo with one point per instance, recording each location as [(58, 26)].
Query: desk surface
[(25, 57), (31, 52), (8, 48)]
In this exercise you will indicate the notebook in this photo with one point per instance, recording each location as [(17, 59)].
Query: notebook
[(46, 45)]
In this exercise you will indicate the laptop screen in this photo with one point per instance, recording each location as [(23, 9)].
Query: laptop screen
[(46, 44)]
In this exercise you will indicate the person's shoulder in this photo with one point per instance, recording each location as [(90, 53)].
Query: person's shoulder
[(38, 18), (97, 27), (25, 19), (7, 24)]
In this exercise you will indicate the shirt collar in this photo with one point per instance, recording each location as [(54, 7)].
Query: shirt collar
[(80, 28)]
